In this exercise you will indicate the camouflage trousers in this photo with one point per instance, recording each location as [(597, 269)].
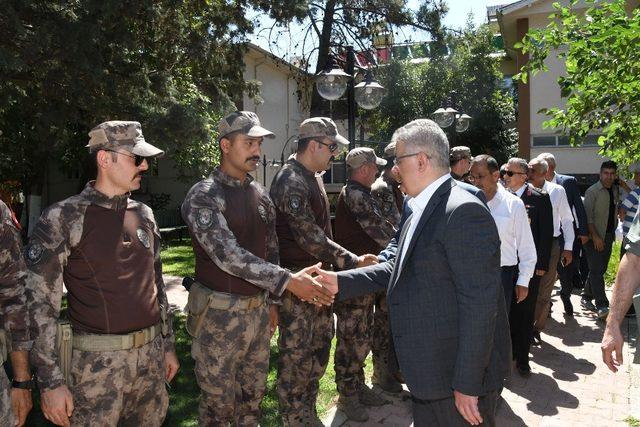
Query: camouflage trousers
[(381, 342), (354, 329), (231, 353), (119, 388), (304, 342), (6, 411)]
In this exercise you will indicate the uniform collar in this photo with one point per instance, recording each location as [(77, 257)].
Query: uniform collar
[(222, 177), (352, 183), (95, 197), (300, 168)]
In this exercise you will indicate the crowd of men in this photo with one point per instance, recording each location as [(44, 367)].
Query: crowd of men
[(445, 268)]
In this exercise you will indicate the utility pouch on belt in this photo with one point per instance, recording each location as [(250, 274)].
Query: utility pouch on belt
[(64, 346), (4, 346), (197, 305), (202, 298)]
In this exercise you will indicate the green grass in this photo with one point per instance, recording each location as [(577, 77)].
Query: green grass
[(612, 268), (178, 259)]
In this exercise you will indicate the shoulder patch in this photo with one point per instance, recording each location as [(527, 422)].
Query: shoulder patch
[(204, 218), (143, 237), (294, 203), (33, 252)]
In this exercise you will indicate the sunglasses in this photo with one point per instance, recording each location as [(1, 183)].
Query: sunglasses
[(510, 173), (137, 159), (332, 147)]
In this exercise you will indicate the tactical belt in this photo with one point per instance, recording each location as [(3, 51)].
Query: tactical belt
[(223, 301), (99, 342), (201, 299)]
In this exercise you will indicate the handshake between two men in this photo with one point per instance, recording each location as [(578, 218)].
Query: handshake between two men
[(317, 286)]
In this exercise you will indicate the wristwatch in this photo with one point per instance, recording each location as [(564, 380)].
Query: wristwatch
[(25, 385)]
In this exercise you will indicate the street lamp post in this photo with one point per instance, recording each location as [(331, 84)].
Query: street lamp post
[(445, 117), (332, 82)]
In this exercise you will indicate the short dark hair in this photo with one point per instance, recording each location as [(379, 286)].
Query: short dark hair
[(491, 163), (303, 143), (609, 164)]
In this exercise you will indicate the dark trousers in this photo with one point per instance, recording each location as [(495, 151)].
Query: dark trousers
[(583, 271), (508, 277), (598, 262), (521, 322), (567, 273), (443, 412)]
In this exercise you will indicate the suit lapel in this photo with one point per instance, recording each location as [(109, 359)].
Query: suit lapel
[(396, 266), (426, 214)]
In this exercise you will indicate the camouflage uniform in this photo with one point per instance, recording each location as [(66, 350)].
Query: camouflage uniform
[(81, 241), (386, 193), (361, 228), (231, 350), (388, 196), (13, 307), (304, 234)]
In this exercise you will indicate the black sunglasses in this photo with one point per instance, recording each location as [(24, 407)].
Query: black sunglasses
[(511, 173), (332, 147), (137, 159)]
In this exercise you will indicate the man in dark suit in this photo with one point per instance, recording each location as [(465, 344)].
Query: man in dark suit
[(570, 185), (446, 305), (540, 214)]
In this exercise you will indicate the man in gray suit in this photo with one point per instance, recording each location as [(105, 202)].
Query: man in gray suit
[(446, 305)]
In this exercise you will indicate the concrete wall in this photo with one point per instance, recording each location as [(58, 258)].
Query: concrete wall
[(281, 112), (584, 160)]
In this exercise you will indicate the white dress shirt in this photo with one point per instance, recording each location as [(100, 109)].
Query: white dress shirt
[(516, 240), (417, 205), (573, 209), (562, 215)]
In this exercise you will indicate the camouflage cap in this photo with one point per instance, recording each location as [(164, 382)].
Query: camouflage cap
[(634, 167), (361, 156), (321, 127), (246, 122), (121, 134), (390, 150), (460, 152)]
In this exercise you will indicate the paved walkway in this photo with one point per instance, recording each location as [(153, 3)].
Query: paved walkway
[(570, 386)]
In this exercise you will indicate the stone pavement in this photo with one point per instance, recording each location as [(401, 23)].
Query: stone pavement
[(569, 386)]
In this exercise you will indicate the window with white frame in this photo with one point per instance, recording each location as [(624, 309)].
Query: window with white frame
[(561, 141)]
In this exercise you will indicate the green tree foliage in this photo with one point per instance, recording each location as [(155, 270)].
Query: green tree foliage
[(469, 77), (66, 66), (601, 84)]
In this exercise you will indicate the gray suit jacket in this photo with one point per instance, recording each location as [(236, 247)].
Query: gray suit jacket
[(446, 307)]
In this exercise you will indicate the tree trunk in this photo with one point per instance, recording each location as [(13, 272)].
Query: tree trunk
[(323, 51)]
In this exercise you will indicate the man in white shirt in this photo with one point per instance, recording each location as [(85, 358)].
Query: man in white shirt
[(540, 212), (562, 224), (517, 249)]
